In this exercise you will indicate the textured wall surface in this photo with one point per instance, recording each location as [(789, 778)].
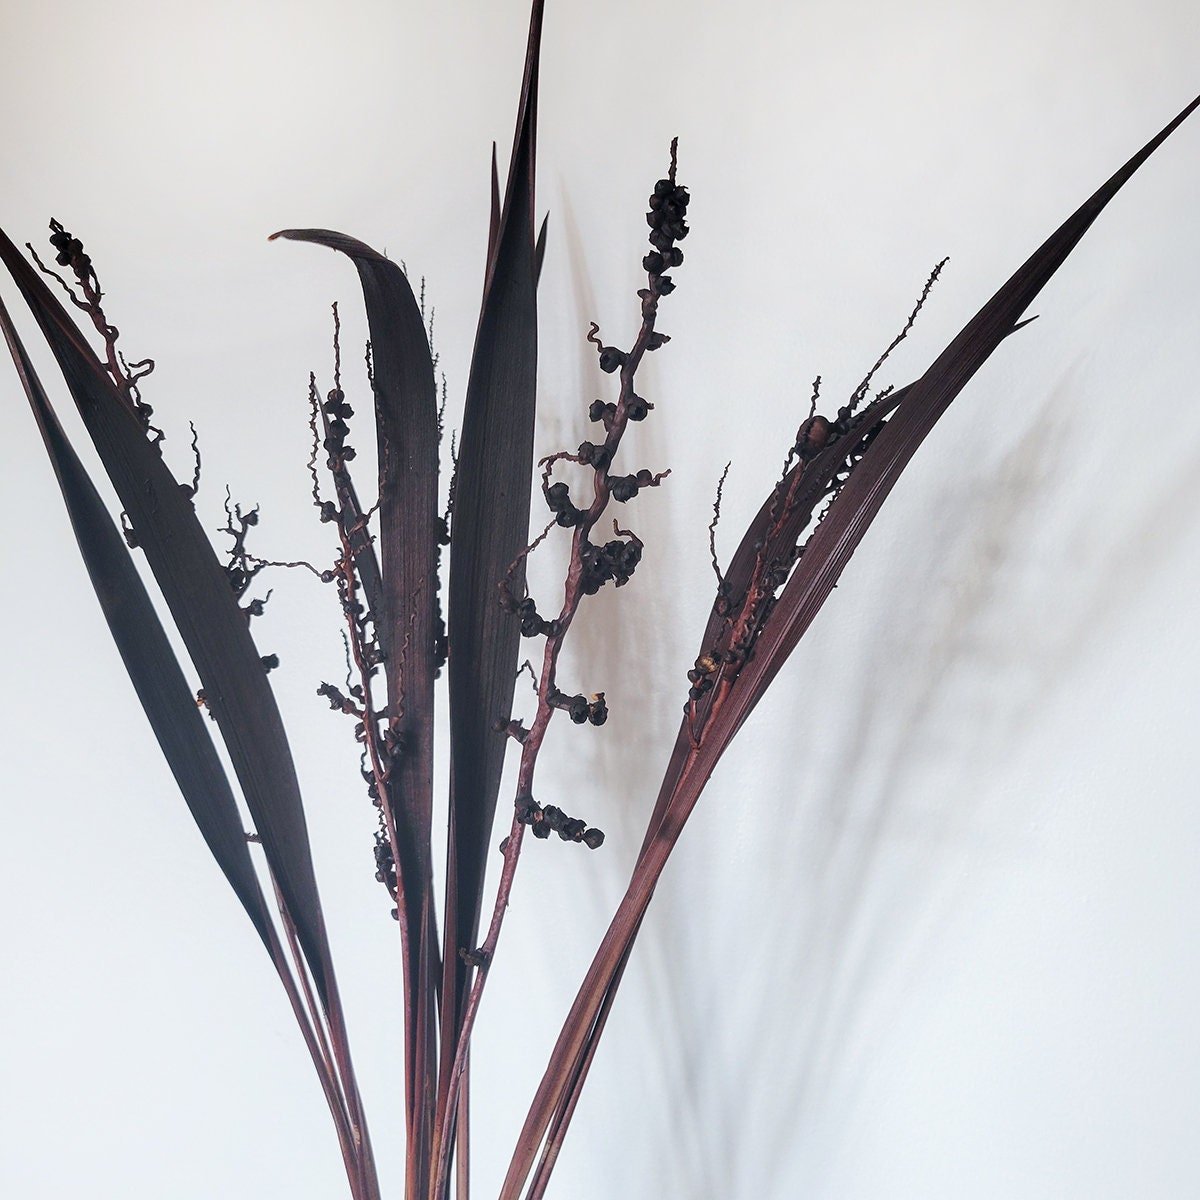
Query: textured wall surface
[(934, 930)]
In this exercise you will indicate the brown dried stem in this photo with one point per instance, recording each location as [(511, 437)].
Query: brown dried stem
[(547, 686)]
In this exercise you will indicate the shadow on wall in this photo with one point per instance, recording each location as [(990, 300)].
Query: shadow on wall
[(863, 876)]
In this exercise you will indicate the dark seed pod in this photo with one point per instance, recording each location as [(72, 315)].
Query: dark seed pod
[(654, 263), (593, 455), (623, 488), (269, 661), (611, 359), (666, 285), (636, 408), (558, 496), (531, 626), (593, 839), (814, 433)]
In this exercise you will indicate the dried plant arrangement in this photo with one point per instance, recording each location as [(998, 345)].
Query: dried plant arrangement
[(428, 567)]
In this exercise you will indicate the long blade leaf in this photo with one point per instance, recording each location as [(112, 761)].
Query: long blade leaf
[(153, 668), (491, 521), (406, 613), (170, 707), (406, 425), (210, 621)]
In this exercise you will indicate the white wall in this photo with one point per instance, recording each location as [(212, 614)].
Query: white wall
[(933, 931)]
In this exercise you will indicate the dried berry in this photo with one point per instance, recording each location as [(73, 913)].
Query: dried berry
[(611, 359), (623, 488), (814, 434), (636, 408)]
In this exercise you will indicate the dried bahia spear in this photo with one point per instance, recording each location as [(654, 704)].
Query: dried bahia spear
[(386, 572)]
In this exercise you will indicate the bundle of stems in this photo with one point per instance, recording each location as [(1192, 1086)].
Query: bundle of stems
[(386, 570)]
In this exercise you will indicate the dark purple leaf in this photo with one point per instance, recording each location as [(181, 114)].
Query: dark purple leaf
[(157, 677), (491, 522), (405, 617), (205, 609)]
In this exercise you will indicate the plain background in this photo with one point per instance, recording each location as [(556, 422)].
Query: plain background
[(933, 931)]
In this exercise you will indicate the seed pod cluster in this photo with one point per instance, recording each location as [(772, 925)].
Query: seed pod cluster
[(338, 413), (592, 455), (558, 499), (611, 359), (385, 863), (70, 249), (338, 701), (599, 411), (580, 709), (668, 225), (615, 560), (543, 822), (533, 625), (625, 487)]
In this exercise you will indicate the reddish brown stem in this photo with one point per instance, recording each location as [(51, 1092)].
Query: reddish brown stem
[(547, 689)]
